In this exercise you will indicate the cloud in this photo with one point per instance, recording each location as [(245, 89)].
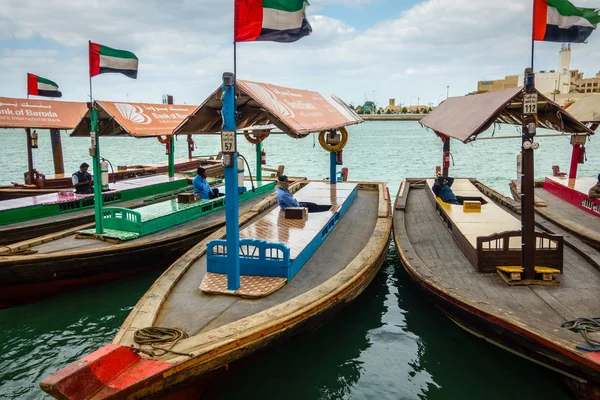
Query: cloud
[(184, 46)]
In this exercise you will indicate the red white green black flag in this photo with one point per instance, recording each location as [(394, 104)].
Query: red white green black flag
[(38, 86), (561, 21), (270, 20), (104, 59)]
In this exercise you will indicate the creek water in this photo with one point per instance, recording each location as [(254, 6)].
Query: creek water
[(390, 343)]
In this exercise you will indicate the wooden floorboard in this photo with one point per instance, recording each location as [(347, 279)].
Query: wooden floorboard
[(195, 312), (568, 211), (543, 308)]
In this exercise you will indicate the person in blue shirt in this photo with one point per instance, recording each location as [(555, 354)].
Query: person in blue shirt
[(441, 188), (285, 198), (201, 186)]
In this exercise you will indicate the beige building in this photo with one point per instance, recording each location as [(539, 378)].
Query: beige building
[(392, 107), (511, 81), (584, 85)]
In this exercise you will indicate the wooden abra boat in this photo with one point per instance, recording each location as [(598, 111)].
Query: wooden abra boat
[(115, 119), (563, 197), (224, 327), (295, 268), (147, 237), (468, 257)]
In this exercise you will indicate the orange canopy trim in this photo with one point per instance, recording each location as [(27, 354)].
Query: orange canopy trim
[(40, 114)]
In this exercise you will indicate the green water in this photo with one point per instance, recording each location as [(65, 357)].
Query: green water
[(390, 343)]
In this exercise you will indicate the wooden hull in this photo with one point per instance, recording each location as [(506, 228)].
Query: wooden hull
[(495, 325), (28, 277), (243, 337), (56, 184), (586, 226)]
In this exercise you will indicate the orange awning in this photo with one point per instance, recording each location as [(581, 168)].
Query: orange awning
[(40, 114), (134, 119), (296, 112)]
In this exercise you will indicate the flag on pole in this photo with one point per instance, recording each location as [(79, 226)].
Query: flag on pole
[(561, 21), (104, 59), (270, 20), (38, 86)]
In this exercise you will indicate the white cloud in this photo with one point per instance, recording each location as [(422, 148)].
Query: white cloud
[(184, 46)]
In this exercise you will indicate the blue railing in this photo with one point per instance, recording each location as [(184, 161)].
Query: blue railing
[(257, 257)]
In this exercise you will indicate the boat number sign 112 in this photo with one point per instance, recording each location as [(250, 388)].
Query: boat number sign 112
[(228, 142), (530, 101)]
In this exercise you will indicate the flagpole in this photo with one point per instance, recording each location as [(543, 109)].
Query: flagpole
[(532, 34), (95, 153)]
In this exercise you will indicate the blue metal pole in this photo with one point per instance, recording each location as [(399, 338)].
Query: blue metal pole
[(332, 168), (231, 188)]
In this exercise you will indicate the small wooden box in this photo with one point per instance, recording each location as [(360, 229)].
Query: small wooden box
[(187, 198), (296, 213), (472, 206), (122, 168)]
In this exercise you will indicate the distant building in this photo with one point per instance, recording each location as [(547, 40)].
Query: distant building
[(392, 107), (584, 85), (511, 81), (547, 82)]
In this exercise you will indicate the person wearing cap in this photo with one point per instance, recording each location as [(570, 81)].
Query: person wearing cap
[(285, 198), (441, 188), (594, 192), (83, 180)]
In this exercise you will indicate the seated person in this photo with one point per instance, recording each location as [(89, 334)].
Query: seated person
[(594, 192), (83, 180), (202, 188), (285, 198), (441, 188)]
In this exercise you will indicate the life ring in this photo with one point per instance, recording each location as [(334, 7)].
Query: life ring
[(166, 140), (337, 147), (256, 140)]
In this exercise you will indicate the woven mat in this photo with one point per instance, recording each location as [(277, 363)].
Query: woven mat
[(250, 286)]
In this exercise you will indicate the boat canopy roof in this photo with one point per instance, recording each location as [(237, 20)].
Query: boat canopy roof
[(296, 112), (40, 114), (586, 109), (465, 117), (134, 119)]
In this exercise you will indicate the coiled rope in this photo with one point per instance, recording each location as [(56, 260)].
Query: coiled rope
[(154, 336), (585, 326)]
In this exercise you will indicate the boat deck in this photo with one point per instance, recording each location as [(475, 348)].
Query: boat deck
[(65, 197), (491, 219), (568, 211), (70, 243), (195, 312), (581, 184), (539, 308)]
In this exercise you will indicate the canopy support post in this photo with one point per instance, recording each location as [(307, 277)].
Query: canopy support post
[(528, 242), (57, 153), (332, 168), (30, 180), (230, 167), (446, 158), (190, 146), (95, 153), (172, 157), (259, 162), (574, 161)]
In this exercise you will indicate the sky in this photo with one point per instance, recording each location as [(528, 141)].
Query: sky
[(413, 51)]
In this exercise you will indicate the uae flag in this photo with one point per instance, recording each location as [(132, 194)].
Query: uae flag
[(38, 86), (561, 21), (270, 20), (104, 59)]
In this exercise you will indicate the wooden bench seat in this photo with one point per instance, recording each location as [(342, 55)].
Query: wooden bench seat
[(491, 237), (293, 241), (512, 275)]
